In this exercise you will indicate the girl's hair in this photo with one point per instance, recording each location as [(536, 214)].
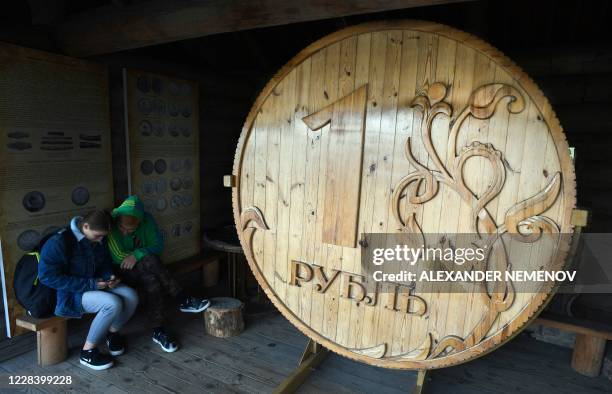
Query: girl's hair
[(98, 220)]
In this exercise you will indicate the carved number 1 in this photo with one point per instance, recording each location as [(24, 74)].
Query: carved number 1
[(346, 118)]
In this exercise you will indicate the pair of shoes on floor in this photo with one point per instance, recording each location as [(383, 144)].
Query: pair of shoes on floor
[(99, 361), (194, 304), (164, 339), (190, 305)]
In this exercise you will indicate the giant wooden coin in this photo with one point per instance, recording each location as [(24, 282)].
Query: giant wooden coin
[(397, 127)]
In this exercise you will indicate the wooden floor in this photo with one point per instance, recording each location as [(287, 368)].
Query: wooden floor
[(260, 358)]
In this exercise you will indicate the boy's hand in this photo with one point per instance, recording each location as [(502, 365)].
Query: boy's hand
[(101, 284), (129, 262)]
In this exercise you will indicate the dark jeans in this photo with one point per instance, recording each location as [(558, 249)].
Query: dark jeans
[(150, 275)]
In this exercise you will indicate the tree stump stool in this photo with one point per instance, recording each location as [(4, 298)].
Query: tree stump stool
[(223, 318)]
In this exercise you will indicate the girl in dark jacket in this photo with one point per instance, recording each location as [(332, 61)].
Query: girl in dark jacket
[(85, 284)]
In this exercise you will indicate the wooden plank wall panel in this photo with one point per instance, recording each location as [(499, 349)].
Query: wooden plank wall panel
[(362, 67), (329, 255), (378, 56), (352, 184), (385, 168)]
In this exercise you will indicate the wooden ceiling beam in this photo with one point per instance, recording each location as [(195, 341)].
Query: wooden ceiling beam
[(112, 29)]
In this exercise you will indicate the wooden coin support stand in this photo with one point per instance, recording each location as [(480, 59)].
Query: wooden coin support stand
[(314, 354)]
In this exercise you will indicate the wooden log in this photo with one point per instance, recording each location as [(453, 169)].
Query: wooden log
[(588, 354), (224, 317)]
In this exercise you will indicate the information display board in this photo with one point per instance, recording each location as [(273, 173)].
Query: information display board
[(55, 151), (163, 156)]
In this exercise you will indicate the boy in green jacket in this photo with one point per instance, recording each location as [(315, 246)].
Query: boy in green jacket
[(135, 245)]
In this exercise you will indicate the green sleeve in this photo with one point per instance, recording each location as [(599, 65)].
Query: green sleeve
[(152, 242), (114, 246)]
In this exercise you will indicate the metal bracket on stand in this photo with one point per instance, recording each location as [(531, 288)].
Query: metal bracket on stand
[(579, 219)]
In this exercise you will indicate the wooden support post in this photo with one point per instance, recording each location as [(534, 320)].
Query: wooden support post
[(229, 181), (579, 220), (51, 338), (588, 354), (313, 355), (420, 383), (52, 344)]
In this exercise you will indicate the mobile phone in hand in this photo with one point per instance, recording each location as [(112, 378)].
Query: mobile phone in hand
[(113, 281)]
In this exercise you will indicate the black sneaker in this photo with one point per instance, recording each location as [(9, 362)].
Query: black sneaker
[(96, 360), (194, 304), (115, 343), (165, 340)]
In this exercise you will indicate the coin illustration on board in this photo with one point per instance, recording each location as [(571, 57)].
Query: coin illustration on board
[(80, 196), (160, 166), (28, 240), (175, 183), (146, 167), (34, 201), (145, 106), (157, 85), (143, 84), (145, 128)]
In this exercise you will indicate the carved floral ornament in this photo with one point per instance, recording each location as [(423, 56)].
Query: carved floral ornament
[(522, 217), (522, 221)]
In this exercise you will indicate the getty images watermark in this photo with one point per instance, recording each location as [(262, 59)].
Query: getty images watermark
[(458, 256), (450, 263)]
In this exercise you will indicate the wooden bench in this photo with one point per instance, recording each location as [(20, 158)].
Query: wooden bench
[(192, 264), (590, 344), (51, 338), (51, 333)]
